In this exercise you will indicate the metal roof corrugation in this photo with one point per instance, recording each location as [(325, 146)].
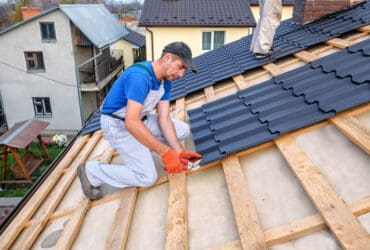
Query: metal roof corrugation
[(197, 13), (289, 38), (95, 22), (287, 102)]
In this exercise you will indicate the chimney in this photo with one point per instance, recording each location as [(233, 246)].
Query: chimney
[(305, 11), (28, 12)]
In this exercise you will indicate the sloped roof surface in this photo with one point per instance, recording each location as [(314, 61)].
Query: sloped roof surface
[(135, 38), (290, 37), (95, 22), (289, 101), (285, 2), (196, 13)]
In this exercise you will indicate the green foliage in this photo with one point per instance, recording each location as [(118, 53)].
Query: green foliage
[(18, 190)]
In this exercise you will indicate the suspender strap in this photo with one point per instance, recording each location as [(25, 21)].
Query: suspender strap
[(122, 118)]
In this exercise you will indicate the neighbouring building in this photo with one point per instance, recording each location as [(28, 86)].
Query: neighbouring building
[(286, 13), (57, 65), (133, 47), (204, 25)]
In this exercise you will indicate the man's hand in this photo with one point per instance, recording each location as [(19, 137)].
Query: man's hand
[(171, 161), (189, 156)]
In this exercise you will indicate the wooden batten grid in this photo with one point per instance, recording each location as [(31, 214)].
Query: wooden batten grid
[(333, 212)]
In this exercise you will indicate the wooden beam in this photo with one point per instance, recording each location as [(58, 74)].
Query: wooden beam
[(250, 231), (209, 92), (358, 133), (299, 228), (340, 220), (365, 28), (240, 81), (177, 216), (273, 69), (338, 43), (58, 192), (19, 222), (306, 56), (180, 111), (73, 226), (18, 159), (122, 220)]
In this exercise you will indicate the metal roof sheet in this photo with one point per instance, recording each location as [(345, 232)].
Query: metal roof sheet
[(135, 38), (196, 13), (95, 22), (292, 100), (290, 38), (23, 133)]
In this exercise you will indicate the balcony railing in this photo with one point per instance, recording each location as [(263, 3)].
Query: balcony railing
[(95, 72)]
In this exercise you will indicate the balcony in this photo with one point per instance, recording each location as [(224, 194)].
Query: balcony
[(96, 74)]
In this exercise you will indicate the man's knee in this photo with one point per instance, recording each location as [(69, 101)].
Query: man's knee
[(148, 179), (182, 131)]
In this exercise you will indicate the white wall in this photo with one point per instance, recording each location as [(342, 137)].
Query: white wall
[(192, 36), (57, 82)]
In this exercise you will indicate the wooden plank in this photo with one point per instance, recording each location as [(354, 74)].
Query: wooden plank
[(73, 226), (176, 235), (19, 222), (338, 43), (180, 109), (340, 220), (365, 28), (209, 92), (273, 69), (122, 220), (306, 56), (48, 208), (240, 82), (250, 231), (358, 133), (299, 228)]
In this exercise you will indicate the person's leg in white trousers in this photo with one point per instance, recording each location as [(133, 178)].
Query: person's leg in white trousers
[(270, 17), (139, 169)]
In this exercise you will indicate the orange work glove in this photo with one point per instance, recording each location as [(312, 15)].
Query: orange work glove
[(189, 156), (171, 161)]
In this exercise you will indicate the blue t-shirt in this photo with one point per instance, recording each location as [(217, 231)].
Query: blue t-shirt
[(134, 84)]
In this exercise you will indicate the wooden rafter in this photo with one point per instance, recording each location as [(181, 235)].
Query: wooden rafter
[(353, 129), (247, 221), (340, 220)]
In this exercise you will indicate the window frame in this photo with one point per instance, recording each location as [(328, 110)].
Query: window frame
[(35, 62), (50, 30), (212, 42), (45, 105)]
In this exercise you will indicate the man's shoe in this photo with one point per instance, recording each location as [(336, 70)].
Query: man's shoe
[(271, 53), (91, 192), (262, 55)]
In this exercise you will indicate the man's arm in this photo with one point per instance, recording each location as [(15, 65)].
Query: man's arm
[(138, 129), (167, 127)]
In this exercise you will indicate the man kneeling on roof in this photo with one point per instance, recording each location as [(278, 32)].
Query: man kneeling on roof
[(132, 130)]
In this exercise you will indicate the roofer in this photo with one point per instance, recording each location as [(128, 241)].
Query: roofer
[(134, 131), (263, 37)]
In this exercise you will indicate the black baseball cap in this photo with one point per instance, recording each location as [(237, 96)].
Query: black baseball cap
[(183, 51)]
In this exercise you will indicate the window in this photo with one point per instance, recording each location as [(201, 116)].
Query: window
[(42, 106), (34, 61), (47, 31), (212, 40)]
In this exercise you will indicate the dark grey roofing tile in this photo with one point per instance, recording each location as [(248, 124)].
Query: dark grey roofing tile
[(289, 37), (363, 46), (196, 13), (92, 124)]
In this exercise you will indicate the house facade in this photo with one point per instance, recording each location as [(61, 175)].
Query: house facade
[(287, 11), (204, 25), (57, 65)]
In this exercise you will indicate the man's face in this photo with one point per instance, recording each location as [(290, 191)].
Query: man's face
[(175, 68)]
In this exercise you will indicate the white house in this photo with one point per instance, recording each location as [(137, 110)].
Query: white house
[(57, 65)]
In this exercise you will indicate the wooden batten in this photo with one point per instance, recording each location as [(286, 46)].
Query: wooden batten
[(342, 223)]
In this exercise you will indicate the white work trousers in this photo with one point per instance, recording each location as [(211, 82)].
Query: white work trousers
[(270, 17), (139, 169)]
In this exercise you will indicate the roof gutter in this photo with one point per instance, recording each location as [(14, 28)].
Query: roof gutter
[(151, 41)]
